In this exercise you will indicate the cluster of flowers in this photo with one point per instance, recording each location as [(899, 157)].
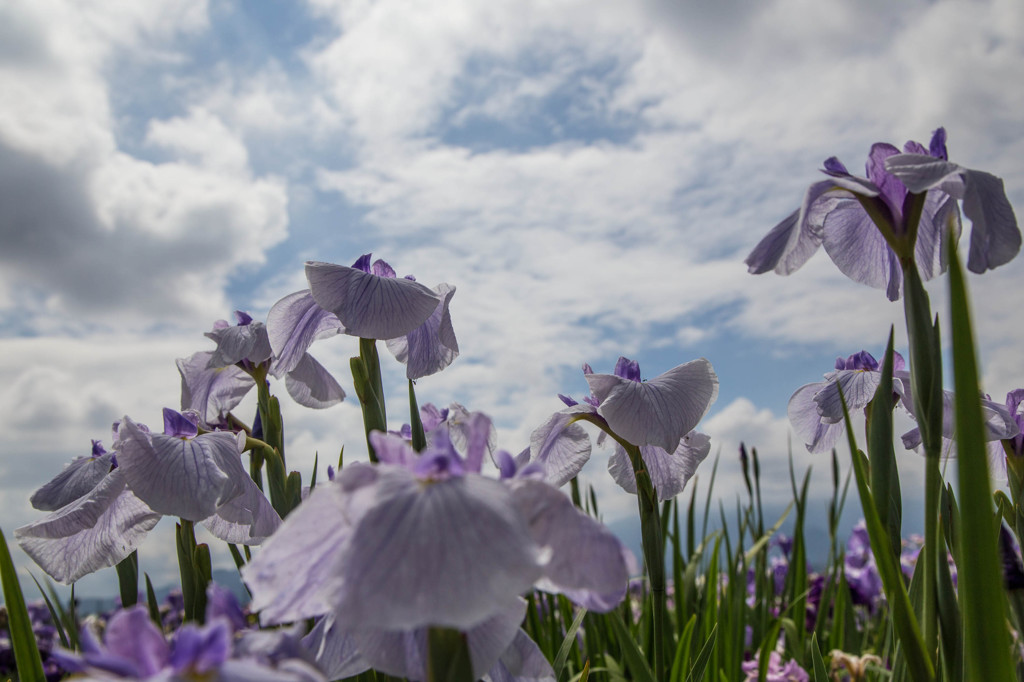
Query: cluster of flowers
[(423, 537)]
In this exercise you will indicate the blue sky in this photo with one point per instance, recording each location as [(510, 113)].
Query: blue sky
[(589, 175)]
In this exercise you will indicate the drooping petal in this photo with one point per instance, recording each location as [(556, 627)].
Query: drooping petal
[(211, 392), (669, 473), (523, 661), (246, 519), (293, 324), (817, 435), (451, 552), (432, 346), (334, 651), (939, 218), (239, 342), (392, 449), (295, 575), (311, 385), (560, 447), (403, 653), (995, 235), (77, 479), (794, 240), (856, 246), (369, 306), (858, 389), (96, 531), (586, 560), (660, 411), (186, 478)]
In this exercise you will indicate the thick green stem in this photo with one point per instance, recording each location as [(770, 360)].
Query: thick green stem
[(654, 553), (926, 389), (366, 378)]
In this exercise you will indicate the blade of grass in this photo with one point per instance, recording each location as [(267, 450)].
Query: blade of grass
[(697, 672), (634, 658), (26, 652), (568, 643)]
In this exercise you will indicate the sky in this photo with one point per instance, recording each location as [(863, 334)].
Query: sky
[(589, 176)]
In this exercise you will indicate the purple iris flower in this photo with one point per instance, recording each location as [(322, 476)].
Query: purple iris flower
[(94, 530), (179, 472), (815, 410), (423, 539), (214, 382), (1000, 425), (198, 477), (367, 301), (1015, 407), (133, 648), (860, 568), (658, 416), (778, 671), (858, 220)]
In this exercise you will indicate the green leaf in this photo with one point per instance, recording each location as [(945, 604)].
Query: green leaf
[(905, 624), (128, 579), (153, 604), (820, 673), (763, 540), (419, 438), (697, 672), (56, 613), (635, 659), (568, 643), (987, 642), (885, 479), (26, 652)]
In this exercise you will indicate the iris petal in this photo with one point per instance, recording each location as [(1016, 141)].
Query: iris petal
[(369, 306), (96, 531), (660, 411)]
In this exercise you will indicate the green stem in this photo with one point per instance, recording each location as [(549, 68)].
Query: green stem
[(654, 552), (926, 388)]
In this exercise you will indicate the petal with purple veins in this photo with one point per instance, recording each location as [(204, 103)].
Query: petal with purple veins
[(586, 558), (293, 324), (186, 478), (211, 392), (669, 472), (311, 385), (78, 478), (432, 346), (660, 411), (369, 306), (96, 531)]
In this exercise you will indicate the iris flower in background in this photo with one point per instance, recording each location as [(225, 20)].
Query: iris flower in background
[(859, 220), (367, 301), (658, 416), (127, 491), (423, 539), (134, 648), (815, 410), (214, 382)]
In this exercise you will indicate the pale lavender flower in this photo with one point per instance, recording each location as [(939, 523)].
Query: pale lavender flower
[(198, 477), (368, 301), (859, 219), (815, 410), (778, 671), (860, 568), (133, 648), (214, 382), (422, 539), (658, 416)]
